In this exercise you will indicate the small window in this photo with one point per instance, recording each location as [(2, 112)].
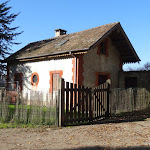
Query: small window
[(103, 47), (130, 82), (35, 79), (18, 80), (102, 79)]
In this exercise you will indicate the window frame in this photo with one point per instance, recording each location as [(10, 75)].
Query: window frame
[(34, 74), (105, 46), (60, 72), (101, 73)]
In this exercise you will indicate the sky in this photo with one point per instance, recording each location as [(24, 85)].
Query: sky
[(39, 18)]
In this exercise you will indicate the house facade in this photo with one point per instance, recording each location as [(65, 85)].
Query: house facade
[(88, 58)]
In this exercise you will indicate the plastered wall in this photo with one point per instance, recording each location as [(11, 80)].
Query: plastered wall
[(101, 63), (43, 69)]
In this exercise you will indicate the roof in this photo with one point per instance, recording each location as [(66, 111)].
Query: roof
[(74, 42)]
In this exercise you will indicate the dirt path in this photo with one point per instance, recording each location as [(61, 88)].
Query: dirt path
[(127, 135)]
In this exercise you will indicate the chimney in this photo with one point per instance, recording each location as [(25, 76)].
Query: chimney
[(59, 32)]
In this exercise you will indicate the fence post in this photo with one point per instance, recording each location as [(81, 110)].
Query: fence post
[(61, 103), (91, 104), (108, 91)]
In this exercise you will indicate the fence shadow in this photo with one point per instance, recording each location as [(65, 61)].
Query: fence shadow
[(141, 115), (105, 148)]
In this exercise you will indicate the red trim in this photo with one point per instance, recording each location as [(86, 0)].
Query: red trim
[(101, 73), (21, 75), (60, 72), (80, 70), (106, 42), (32, 83), (98, 49)]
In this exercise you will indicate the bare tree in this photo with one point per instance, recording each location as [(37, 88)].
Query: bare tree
[(145, 67)]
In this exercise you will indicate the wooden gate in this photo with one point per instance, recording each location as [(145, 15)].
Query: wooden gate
[(79, 104)]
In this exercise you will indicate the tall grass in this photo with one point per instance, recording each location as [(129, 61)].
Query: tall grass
[(23, 113)]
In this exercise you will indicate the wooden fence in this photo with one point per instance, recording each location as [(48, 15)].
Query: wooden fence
[(34, 111), (79, 104), (129, 100)]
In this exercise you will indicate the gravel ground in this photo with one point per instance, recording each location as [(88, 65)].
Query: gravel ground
[(127, 135)]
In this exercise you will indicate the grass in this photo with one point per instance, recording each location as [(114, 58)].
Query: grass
[(27, 115), (13, 125)]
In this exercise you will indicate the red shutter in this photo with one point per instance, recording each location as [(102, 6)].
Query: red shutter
[(98, 49), (107, 47)]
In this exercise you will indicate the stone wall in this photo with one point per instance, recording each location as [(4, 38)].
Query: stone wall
[(143, 78)]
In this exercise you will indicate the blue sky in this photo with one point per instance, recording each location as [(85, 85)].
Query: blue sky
[(39, 18)]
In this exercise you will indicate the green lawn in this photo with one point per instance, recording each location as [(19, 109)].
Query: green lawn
[(27, 114)]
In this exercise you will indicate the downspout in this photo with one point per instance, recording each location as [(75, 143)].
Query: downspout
[(75, 70)]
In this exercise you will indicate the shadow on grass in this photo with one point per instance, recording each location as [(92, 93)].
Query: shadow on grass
[(105, 148)]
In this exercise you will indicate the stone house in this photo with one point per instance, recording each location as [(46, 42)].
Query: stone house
[(88, 58)]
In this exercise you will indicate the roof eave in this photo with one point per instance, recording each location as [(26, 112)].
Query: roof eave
[(53, 54), (128, 41), (104, 36)]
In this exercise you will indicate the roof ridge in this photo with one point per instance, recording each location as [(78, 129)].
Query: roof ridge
[(94, 27), (71, 33)]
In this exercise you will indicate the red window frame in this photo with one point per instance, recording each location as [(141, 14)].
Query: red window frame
[(60, 72), (101, 73), (32, 83)]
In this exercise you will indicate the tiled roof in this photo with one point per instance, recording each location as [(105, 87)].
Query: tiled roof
[(77, 41)]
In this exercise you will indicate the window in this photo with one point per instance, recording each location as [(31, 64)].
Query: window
[(130, 82), (103, 48), (35, 79), (18, 80), (101, 78)]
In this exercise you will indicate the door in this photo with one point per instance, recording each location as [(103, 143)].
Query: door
[(56, 76)]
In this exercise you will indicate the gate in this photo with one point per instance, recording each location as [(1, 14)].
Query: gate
[(78, 104)]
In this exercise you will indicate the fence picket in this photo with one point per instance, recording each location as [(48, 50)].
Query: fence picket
[(67, 102), (79, 102), (87, 100), (90, 105), (75, 102), (82, 99), (71, 102)]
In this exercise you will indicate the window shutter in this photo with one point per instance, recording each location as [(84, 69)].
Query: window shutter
[(106, 42), (98, 49)]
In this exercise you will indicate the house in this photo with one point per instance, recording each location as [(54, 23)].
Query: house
[(86, 58)]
